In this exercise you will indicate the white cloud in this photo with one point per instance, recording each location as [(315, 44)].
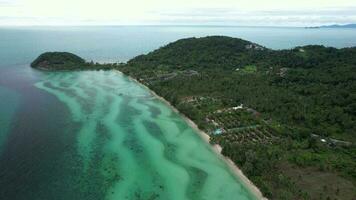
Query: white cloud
[(212, 12), (305, 17)]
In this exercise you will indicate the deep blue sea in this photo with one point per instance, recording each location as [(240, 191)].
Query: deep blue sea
[(74, 135)]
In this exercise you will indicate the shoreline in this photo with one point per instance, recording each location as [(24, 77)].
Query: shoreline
[(235, 170)]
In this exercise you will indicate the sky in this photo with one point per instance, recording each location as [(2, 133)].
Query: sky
[(177, 12)]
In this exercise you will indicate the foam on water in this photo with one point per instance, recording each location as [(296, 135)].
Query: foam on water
[(139, 146)]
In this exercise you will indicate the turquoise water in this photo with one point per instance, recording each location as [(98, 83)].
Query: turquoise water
[(98, 135)]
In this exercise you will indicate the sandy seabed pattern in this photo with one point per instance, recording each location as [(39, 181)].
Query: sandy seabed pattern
[(134, 145)]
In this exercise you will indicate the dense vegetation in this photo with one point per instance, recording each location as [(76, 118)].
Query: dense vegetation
[(294, 136), (305, 100), (66, 61)]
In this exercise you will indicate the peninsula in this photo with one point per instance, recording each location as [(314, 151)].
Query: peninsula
[(67, 61), (335, 26), (285, 117)]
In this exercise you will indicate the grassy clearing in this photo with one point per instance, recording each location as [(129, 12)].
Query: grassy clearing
[(249, 69)]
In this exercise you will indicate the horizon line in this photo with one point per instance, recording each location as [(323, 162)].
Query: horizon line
[(167, 25)]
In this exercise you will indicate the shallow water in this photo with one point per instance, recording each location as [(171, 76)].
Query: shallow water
[(111, 139)]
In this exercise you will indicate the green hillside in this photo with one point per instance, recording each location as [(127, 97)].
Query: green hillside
[(66, 61), (297, 122)]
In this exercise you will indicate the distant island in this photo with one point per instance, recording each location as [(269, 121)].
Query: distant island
[(67, 61), (334, 26), (285, 117)]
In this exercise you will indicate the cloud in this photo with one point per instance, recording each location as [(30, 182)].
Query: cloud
[(227, 16), (177, 12)]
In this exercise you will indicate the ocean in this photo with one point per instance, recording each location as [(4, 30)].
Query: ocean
[(99, 135)]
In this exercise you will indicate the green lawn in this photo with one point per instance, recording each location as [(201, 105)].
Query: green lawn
[(249, 69)]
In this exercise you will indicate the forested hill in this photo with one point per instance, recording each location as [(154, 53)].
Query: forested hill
[(216, 51), (311, 87), (298, 119), (228, 53), (66, 61), (57, 60)]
